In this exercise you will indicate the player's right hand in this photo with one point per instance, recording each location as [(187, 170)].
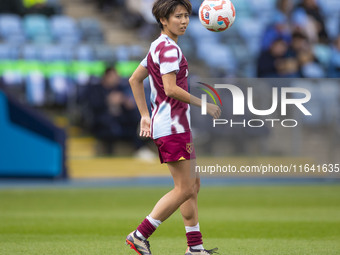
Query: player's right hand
[(214, 110), (145, 124)]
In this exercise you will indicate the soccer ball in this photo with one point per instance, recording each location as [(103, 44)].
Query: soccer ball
[(217, 15)]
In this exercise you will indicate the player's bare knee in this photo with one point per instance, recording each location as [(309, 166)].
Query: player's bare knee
[(188, 192)]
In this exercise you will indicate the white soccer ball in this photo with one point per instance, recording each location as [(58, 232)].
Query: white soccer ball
[(217, 15)]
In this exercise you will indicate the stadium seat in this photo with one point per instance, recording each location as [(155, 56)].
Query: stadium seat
[(105, 53), (91, 30), (30, 52), (122, 53), (323, 53), (59, 82), (197, 32), (8, 51), (251, 32), (241, 52), (132, 52), (243, 8), (64, 29), (84, 52), (35, 83), (333, 24), (56, 53), (11, 28), (329, 6), (262, 7), (136, 52), (217, 56), (37, 29)]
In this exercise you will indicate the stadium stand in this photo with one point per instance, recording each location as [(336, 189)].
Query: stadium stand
[(52, 58)]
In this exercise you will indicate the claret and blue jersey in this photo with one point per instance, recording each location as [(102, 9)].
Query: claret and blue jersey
[(169, 116)]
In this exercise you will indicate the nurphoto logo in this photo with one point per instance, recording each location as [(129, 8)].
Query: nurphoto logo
[(282, 97)]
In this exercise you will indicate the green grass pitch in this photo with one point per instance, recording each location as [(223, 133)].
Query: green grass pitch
[(241, 220)]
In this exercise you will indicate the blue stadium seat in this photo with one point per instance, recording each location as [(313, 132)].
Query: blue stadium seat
[(56, 53), (243, 9), (59, 82), (198, 32), (132, 52), (64, 29), (263, 8), (105, 53), (137, 52), (122, 53), (91, 30), (323, 53), (31, 52), (217, 56), (8, 52), (251, 32), (329, 7), (35, 87), (36, 28), (333, 24), (84, 52), (11, 28)]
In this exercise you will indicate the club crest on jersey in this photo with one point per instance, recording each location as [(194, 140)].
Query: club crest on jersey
[(190, 147)]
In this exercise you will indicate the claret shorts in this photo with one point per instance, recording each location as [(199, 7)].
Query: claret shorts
[(175, 147)]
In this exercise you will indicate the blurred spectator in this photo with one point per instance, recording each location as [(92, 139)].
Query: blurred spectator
[(335, 60), (113, 111), (302, 49), (284, 7), (307, 16), (299, 43), (278, 29), (12, 6), (277, 62), (310, 67)]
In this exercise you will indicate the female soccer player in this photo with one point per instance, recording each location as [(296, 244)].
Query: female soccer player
[(169, 125)]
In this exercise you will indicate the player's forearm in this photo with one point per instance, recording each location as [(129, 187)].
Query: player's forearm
[(172, 90), (139, 95), (180, 94)]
